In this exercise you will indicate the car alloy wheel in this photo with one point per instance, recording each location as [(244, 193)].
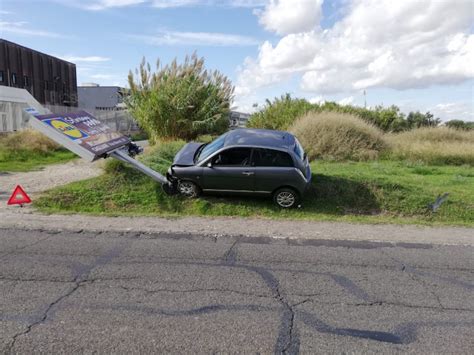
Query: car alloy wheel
[(188, 189), (286, 198)]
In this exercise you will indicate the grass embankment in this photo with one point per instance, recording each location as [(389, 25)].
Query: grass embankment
[(371, 192), (29, 150)]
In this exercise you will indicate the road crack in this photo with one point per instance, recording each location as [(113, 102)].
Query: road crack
[(195, 290), (80, 279)]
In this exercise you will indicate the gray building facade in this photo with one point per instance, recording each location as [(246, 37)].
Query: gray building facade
[(96, 97)]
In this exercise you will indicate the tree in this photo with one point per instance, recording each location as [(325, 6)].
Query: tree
[(179, 100), (460, 124), (418, 119)]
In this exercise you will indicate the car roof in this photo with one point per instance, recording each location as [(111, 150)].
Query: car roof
[(259, 137)]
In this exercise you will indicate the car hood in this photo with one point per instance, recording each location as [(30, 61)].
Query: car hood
[(186, 155)]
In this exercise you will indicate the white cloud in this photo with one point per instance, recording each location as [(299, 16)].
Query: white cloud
[(196, 38), (317, 100), (346, 101), (98, 5), (89, 59), (290, 16), (103, 76), (164, 4), (4, 12), (105, 4), (454, 111), (379, 43), (19, 28)]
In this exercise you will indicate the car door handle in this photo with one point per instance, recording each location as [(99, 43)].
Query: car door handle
[(248, 173)]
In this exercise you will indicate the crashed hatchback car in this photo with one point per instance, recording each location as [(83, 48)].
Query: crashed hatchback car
[(244, 161)]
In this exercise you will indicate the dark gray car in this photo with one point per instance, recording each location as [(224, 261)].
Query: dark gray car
[(244, 161)]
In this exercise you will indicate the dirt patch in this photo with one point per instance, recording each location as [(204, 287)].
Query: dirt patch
[(47, 178)]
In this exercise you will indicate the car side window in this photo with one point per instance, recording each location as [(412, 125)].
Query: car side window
[(233, 157), (270, 157)]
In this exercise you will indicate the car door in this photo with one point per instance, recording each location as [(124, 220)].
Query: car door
[(230, 170), (273, 169)]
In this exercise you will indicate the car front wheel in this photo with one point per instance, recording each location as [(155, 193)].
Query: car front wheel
[(286, 198), (189, 189)]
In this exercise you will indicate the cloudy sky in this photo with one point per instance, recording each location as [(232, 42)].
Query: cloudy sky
[(416, 54)]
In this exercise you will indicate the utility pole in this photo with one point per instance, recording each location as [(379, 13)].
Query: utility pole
[(365, 99)]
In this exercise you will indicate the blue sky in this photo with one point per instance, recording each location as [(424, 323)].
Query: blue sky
[(414, 54)]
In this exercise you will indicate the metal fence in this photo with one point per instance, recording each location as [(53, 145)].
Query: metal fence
[(118, 119), (14, 118)]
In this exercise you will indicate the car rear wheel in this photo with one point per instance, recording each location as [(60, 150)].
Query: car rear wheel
[(286, 198), (189, 189)]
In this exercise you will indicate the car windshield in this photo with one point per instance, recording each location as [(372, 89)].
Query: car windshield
[(211, 148)]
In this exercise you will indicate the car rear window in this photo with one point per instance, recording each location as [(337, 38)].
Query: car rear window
[(271, 157), (299, 151)]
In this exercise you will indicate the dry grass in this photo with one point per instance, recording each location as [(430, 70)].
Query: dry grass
[(436, 145), (338, 136), (28, 140)]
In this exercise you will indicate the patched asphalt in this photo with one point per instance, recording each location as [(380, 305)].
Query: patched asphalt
[(117, 292)]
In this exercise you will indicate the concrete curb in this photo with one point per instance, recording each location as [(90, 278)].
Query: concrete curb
[(354, 244), (276, 231)]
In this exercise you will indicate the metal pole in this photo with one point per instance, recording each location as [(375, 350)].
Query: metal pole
[(123, 156)]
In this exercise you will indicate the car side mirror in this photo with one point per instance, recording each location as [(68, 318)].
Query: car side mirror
[(209, 164)]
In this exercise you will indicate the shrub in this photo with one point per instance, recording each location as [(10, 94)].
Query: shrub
[(280, 113), (179, 100), (436, 145), (28, 140), (338, 136)]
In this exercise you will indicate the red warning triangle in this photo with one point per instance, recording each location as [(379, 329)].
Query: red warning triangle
[(19, 197)]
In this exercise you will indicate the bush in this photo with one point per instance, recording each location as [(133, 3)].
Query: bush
[(436, 145), (280, 113), (338, 136), (28, 140), (180, 100)]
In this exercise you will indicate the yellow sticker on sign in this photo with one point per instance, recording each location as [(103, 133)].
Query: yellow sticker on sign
[(68, 129)]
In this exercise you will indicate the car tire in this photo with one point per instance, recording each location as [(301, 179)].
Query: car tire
[(286, 198), (189, 189)]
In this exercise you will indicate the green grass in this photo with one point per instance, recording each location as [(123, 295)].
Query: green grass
[(368, 192), (26, 160)]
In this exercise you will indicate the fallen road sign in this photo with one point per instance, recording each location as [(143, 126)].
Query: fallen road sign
[(80, 132), (86, 136), (18, 197)]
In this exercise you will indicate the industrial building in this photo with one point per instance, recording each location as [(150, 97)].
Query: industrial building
[(238, 119), (50, 80), (92, 96)]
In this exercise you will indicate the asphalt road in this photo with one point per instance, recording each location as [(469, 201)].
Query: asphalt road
[(76, 292)]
